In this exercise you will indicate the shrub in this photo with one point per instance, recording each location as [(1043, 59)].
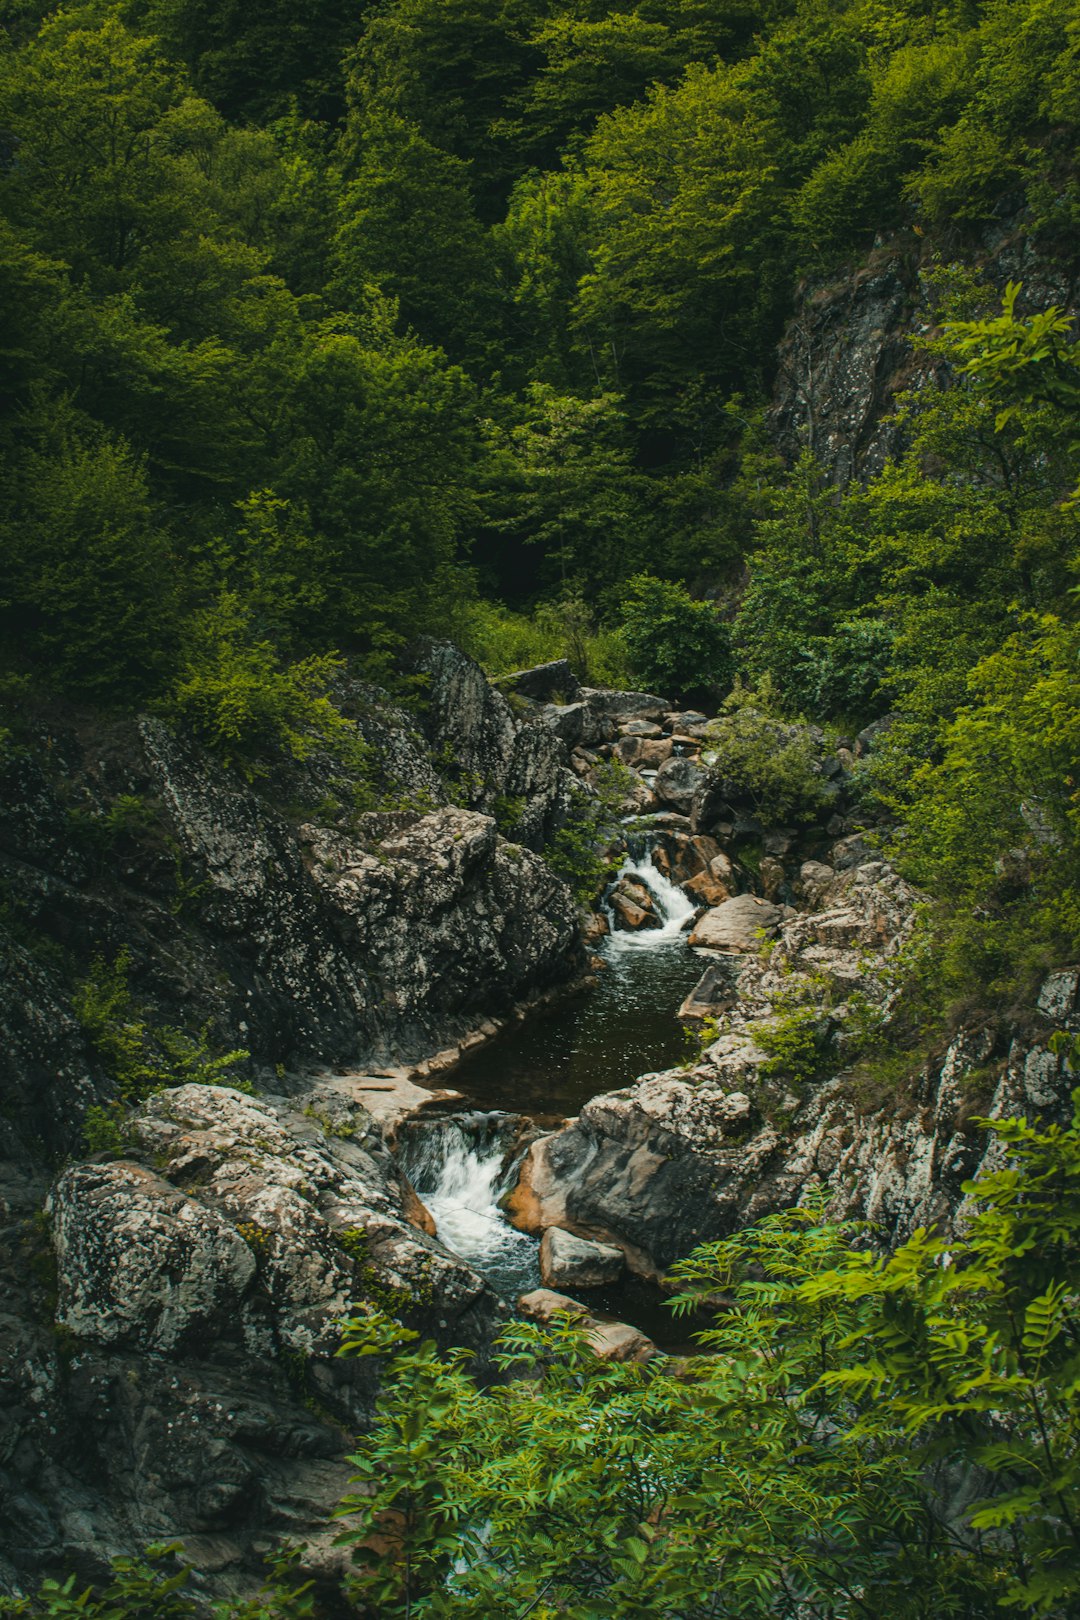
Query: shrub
[(762, 760), (238, 698), (674, 643)]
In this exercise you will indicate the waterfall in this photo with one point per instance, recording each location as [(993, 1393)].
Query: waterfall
[(673, 907), (461, 1167)]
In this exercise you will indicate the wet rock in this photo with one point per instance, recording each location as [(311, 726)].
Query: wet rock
[(609, 1341), (678, 782), (633, 906), (567, 1261), (618, 1341), (736, 925), (544, 682), (713, 994)]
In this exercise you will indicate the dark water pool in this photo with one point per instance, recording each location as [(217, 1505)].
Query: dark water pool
[(598, 1041)]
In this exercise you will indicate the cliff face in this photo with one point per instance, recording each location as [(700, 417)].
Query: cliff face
[(852, 343), (290, 925)]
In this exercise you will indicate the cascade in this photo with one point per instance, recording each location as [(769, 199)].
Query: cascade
[(460, 1167), (673, 906)]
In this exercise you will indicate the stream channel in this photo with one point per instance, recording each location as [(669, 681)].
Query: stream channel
[(539, 1073)]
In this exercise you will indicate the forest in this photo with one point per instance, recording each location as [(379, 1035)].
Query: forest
[(330, 323)]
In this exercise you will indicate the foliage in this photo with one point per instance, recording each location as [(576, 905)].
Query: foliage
[(155, 1585), (503, 641), (581, 849), (761, 759), (141, 1057), (234, 694), (888, 1431), (675, 645)]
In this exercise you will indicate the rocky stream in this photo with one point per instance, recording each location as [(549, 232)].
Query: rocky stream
[(468, 1096)]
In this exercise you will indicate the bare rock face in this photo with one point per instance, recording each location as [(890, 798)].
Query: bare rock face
[(495, 756), (190, 1385), (568, 1261), (452, 920)]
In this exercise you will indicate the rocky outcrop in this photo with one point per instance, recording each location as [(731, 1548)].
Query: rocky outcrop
[(190, 1386), (848, 348), (691, 1154), (496, 760)]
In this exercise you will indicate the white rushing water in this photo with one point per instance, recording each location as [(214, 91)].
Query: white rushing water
[(673, 907), (459, 1168)]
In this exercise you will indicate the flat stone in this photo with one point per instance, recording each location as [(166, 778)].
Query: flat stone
[(736, 925), (567, 1259), (625, 705), (641, 728)]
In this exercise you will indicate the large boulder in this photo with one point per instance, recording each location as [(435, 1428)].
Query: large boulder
[(625, 705), (189, 1386), (737, 925), (568, 1261), (451, 921), (544, 683)]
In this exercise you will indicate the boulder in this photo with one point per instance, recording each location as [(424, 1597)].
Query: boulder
[(618, 1341), (609, 1341), (681, 857), (715, 884), (678, 781), (544, 682), (625, 705), (713, 994), (567, 1261), (773, 877), (736, 925), (544, 1305), (632, 905), (640, 728), (643, 753)]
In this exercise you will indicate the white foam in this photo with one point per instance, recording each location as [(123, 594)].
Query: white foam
[(673, 907)]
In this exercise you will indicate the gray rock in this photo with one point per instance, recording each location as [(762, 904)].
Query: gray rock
[(568, 1261), (736, 925), (625, 705), (544, 682), (678, 781)]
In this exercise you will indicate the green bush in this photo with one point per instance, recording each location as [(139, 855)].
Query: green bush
[(234, 694), (763, 761), (674, 643)]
